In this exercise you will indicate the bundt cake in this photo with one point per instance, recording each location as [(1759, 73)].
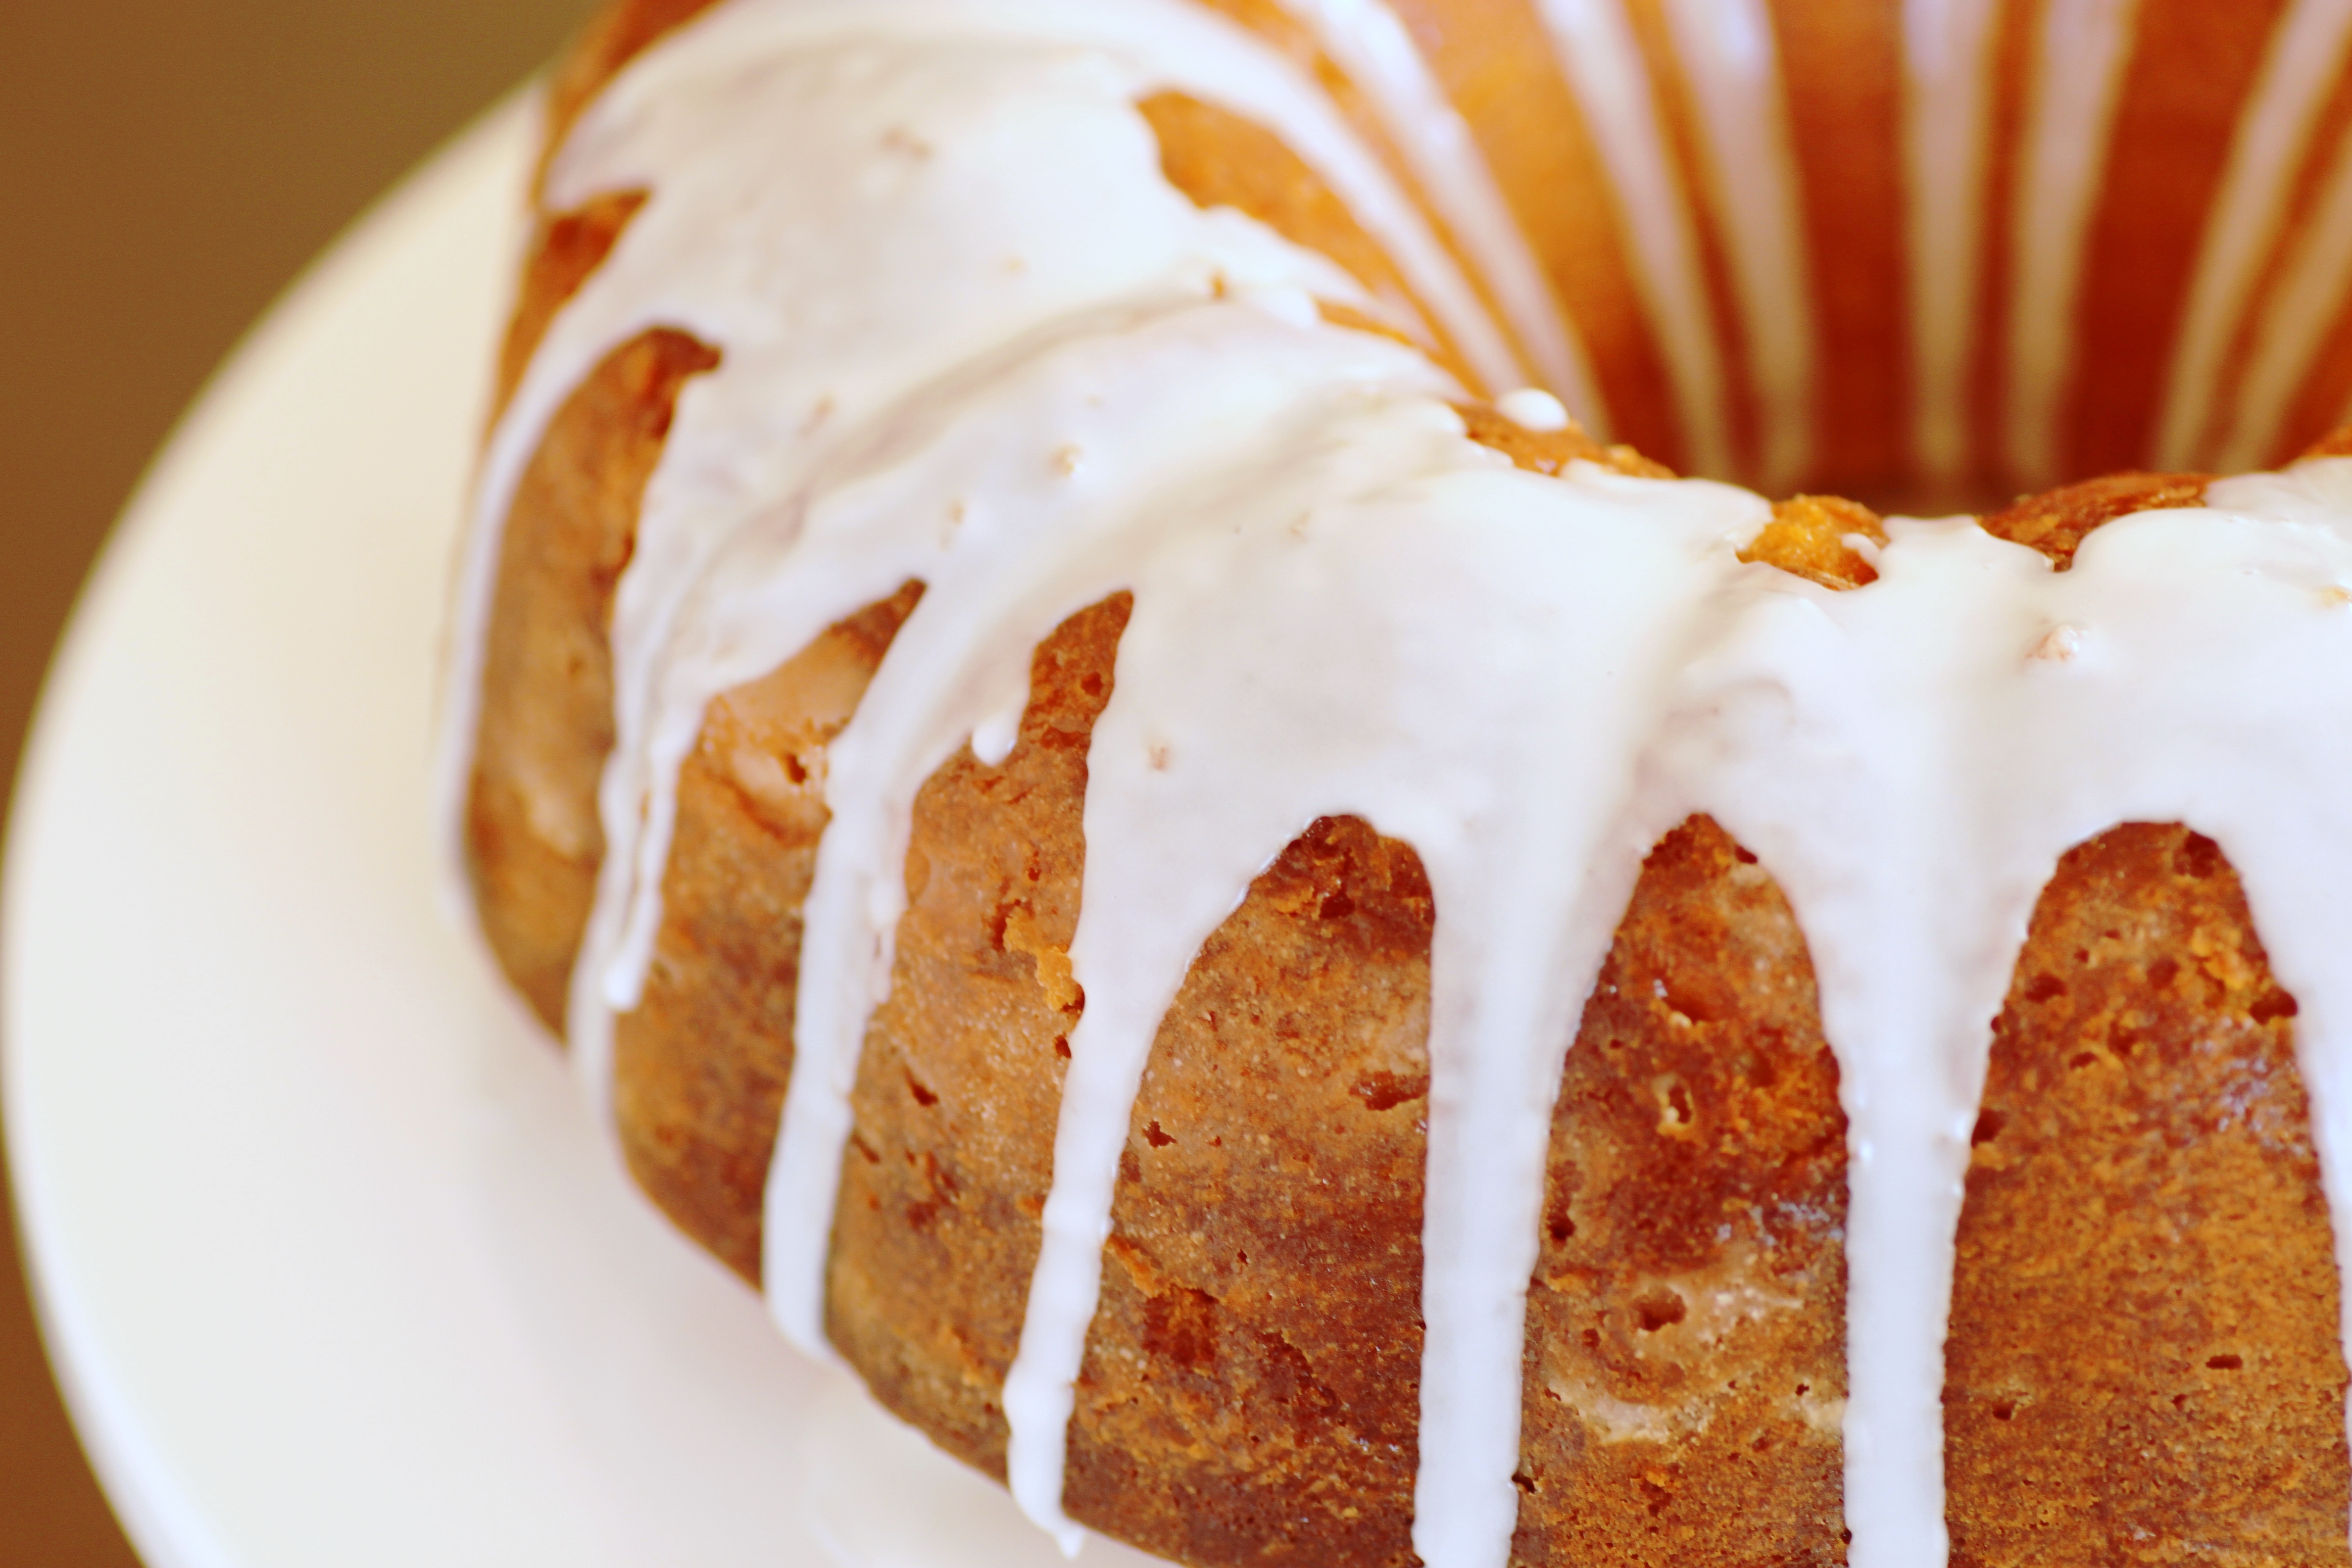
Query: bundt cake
[(1287, 948)]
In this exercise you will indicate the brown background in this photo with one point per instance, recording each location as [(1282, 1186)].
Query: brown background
[(166, 168)]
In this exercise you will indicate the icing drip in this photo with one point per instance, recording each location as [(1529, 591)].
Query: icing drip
[(1910, 758), (912, 120), (701, 116), (1532, 408), (1305, 658), (2305, 56), (1727, 47), (1945, 47), (1035, 544), (2083, 48), (1600, 58), (1031, 393)]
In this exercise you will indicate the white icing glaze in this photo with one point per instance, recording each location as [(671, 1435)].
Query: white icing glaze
[(1349, 684), (1728, 49), (1031, 393), (688, 103), (1944, 59), (2305, 58), (1600, 60), (967, 662), (1532, 408), (2078, 74), (1950, 766)]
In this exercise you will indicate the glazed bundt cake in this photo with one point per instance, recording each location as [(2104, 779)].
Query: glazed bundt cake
[(1287, 948)]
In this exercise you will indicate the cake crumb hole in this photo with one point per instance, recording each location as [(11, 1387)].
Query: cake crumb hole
[(1387, 1090), (1659, 1310), (2276, 1004), (2197, 856)]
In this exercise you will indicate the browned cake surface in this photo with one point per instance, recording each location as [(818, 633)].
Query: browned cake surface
[(1813, 536), (2056, 521), (1548, 168), (944, 1182), (617, 34), (566, 248), (533, 834), (1273, 1159), (1219, 159), (2135, 1220), (1549, 451), (1685, 1353), (699, 1066), (2143, 1363)]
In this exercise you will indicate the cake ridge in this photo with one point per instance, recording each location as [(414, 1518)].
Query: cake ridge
[(1368, 41), (1599, 55), (1729, 54), (2306, 54)]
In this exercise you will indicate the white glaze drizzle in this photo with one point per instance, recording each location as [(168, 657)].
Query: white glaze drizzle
[(1947, 87), (1036, 544), (1726, 48), (2305, 57), (2078, 79), (2297, 896), (1164, 43), (1367, 41), (1345, 644), (2292, 324), (1919, 752), (1031, 268), (1342, 606), (1533, 409), (1603, 65)]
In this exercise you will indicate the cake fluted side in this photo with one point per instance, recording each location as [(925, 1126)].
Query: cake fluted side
[(739, 766)]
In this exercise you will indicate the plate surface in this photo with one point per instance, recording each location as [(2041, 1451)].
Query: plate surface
[(334, 1269)]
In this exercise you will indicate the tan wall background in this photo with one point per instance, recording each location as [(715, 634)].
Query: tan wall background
[(166, 168)]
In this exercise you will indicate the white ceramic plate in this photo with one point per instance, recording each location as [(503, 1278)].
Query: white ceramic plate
[(331, 1264)]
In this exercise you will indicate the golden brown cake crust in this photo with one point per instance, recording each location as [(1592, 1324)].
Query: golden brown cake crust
[(617, 35), (1685, 1346), (701, 1065), (1218, 159), (2143, 1363), (1251, 1386), (566, 248), (533, 837), (1815, 537), (2056, 521), (950, 1154)]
